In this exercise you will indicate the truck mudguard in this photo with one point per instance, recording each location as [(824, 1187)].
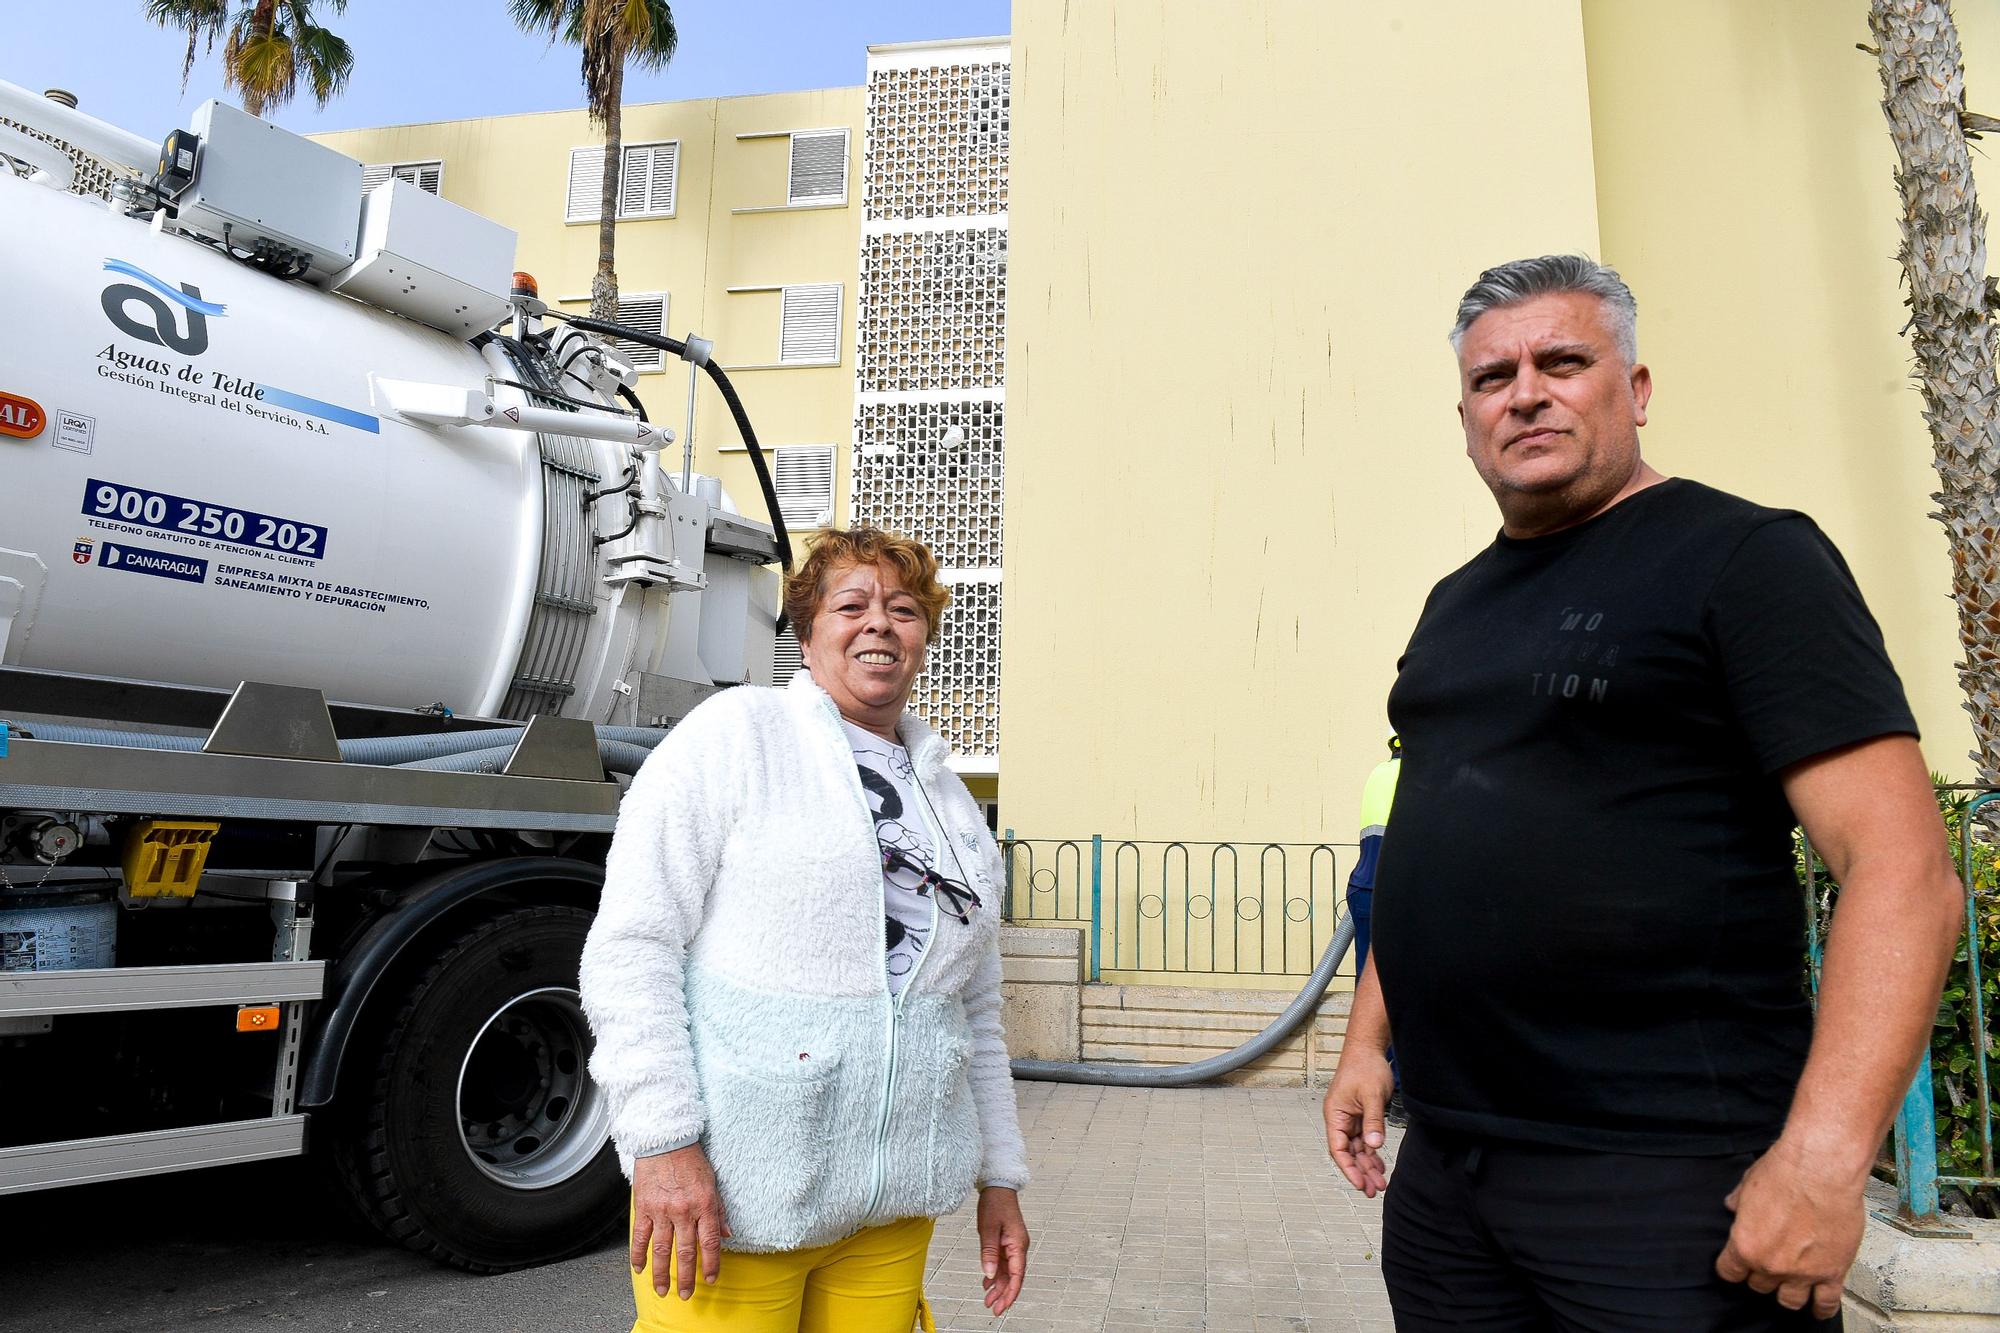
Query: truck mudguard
[(359, 972)]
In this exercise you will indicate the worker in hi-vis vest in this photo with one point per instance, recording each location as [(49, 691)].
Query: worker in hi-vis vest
[(1376, 797)]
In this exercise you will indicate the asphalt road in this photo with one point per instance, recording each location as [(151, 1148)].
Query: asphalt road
[(262, 1247)]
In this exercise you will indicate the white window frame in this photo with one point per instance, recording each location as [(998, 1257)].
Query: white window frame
[(595, 153), (832, 358), (374, 173), (795, 200)]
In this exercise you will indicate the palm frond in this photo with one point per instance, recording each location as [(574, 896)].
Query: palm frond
[(326, 61), (562, 20), (262, 66), (198, 18)]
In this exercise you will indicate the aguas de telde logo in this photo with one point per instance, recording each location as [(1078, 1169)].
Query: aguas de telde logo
[(160, 324)]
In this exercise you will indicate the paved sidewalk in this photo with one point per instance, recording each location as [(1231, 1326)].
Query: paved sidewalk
[(1207, 1208), (1210, 1208)]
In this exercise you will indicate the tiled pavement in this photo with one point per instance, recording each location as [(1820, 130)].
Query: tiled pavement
[(1208, 1208)]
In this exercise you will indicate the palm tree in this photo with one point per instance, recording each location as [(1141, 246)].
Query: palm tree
[(611, 33), (1952, 333), (270, 46)]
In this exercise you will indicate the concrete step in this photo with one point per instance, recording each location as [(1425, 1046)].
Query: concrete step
[(1161, 1025), (1171, 1053), (1272, 1071), (1175, 1018)]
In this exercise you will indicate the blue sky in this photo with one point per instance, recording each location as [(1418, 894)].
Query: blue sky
[(418, 60)]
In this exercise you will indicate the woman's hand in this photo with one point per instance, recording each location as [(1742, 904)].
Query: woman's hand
[(676, 1207), (1003, 1246)]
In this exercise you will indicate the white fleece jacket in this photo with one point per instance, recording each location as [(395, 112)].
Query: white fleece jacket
[(735, 979)]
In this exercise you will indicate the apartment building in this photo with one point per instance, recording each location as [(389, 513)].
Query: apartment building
[(846, 250)]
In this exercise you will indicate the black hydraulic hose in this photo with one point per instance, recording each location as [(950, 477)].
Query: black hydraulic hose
[(764, 482), (626, 393), (563, 398), (529, 364), (1201, 1071), (630, 479), (743, 427)]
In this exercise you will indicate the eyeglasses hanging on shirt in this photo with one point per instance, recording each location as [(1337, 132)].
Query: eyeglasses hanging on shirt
[(956, 898)]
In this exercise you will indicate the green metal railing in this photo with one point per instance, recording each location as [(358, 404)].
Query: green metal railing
[(1917, 1175), (1149, 906)]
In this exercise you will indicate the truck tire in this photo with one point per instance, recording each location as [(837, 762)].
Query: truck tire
[(482, 1142)]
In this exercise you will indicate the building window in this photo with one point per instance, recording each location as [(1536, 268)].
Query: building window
[(426, 176), (645, 311), (802, 474), (809, 329), (645, 181), (819, 167)]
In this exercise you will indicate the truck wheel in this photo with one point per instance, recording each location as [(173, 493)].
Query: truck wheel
[(484, 1144)]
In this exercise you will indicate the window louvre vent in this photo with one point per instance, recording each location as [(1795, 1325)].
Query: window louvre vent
[(646, 181), (586, 183), (786, 658), (819, 168), (810, 332), (426, 176), (646, 311), (803, 477)]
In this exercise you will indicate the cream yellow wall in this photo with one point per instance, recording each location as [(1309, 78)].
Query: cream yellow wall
[(729, 230), (1743, 188), (1233, 465)]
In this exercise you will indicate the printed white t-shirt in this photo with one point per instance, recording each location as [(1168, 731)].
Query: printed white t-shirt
[(906, 833)]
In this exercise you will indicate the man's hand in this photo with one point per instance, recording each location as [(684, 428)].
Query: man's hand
[(677, 1209), (1796, 1231), (1003, 1246), (1355, 1102)]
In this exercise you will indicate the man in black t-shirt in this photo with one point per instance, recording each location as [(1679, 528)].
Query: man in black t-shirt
[(1589, 941)]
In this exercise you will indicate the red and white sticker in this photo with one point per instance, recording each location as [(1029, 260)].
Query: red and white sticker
[(20, 417)]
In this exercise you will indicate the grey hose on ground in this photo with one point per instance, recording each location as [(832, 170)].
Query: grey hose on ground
[(1201, 1071)]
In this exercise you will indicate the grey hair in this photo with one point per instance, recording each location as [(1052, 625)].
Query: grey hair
[(1521, 279)]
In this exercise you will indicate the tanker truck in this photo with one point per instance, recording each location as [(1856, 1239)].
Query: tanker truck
[(341, 583)]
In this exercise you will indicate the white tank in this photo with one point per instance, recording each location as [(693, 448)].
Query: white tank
[(213, 494)]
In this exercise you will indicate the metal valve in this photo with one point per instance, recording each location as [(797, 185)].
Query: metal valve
[(48, 840)]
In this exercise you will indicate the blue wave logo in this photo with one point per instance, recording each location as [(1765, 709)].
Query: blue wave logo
[(174, 294)]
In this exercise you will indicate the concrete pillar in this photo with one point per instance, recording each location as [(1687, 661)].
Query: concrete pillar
[(1041, 975)]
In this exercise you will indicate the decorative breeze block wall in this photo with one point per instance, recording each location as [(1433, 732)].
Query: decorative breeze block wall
[(961, 681), (931, 352), (934, 310), (937, 139), (932, 471)]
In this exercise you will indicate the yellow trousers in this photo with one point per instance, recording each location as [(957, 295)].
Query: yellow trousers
[(872, 1282)]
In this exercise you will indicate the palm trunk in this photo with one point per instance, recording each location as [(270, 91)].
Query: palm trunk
[(604, 287), (1944, 260)]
